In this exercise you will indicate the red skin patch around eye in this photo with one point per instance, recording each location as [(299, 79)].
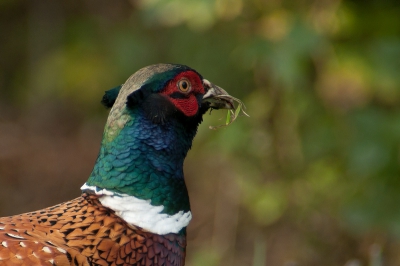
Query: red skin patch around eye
[(188, 105)]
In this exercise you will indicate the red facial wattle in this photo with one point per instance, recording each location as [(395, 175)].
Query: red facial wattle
[(187, 103), (188, 107)]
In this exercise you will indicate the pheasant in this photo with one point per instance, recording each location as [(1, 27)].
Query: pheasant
[(134, 207)]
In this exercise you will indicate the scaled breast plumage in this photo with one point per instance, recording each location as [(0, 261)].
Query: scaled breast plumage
[(83, 232)]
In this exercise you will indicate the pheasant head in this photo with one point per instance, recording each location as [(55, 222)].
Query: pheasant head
[(150, 128)]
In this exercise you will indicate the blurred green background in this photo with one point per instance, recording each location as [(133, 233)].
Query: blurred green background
[(311, 178)]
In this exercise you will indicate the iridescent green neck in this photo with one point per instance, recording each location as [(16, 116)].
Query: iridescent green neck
[(144, 160)]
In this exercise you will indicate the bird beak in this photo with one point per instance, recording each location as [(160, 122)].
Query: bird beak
[(217, 97)]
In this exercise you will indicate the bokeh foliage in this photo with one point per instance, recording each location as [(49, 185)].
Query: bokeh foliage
[(311, 178)]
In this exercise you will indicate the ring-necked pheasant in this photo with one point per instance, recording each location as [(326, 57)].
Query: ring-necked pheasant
[(134, 207)]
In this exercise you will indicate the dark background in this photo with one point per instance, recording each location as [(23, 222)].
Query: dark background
[(311, 178)]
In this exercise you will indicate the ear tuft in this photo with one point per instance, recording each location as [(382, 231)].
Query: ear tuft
[(137, 97), (110, 96), (158, 108)]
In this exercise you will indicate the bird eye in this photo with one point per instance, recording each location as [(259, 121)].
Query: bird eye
[(184, 85)]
